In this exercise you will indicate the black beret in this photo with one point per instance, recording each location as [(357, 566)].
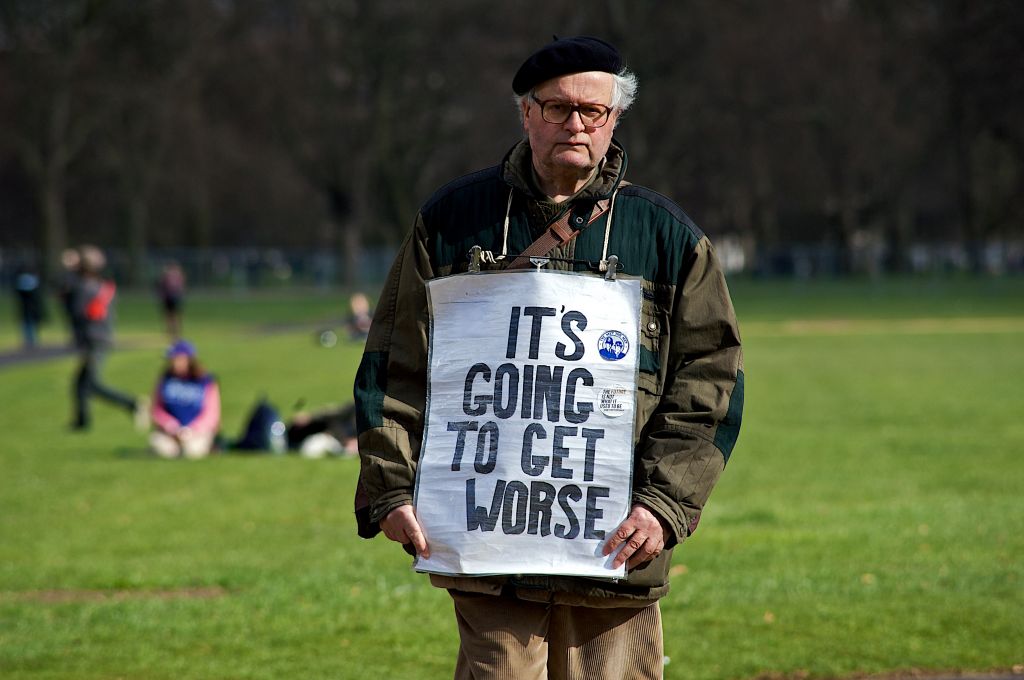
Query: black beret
[(563, 56)]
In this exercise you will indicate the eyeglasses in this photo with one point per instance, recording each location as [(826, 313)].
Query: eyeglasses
[(557, 112)]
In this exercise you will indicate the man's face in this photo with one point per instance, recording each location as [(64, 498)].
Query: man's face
[(572, 146)]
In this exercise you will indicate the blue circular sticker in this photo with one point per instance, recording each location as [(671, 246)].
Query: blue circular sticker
[(613, 345)]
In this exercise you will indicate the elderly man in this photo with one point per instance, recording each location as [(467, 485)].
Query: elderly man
[(561, 192)]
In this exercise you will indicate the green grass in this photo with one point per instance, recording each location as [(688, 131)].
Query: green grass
[(869, 521)]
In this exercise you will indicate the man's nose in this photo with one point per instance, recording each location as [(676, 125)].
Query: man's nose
[(575, 121)]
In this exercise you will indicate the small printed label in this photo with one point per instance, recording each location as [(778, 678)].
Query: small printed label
[(614, 401)]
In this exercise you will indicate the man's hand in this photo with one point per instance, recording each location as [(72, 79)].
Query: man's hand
[(643, 535), (400, 525)]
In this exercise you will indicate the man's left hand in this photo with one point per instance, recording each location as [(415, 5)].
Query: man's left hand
[(643, 536)]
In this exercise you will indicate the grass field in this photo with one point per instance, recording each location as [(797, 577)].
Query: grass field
[(870, 521)]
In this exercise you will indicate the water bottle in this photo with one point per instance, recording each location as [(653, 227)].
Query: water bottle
[(278, 442)]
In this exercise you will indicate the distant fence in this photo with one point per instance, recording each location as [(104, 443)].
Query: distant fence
[(236, 268), (245, 268), (871, 257)]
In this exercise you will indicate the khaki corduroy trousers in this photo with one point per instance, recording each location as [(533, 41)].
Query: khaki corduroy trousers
[(505, 638)]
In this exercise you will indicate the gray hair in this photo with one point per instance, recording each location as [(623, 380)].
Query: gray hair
[(624, 87), (92, 260)]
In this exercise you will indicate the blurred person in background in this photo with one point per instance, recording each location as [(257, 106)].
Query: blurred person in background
[(91, 305), (64, 287), (171, 291), (568, 170), (360, 316), (186, 406), (308, 429), (28, 290)]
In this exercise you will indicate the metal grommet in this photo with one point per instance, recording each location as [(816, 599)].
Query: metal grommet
[(652, 326)]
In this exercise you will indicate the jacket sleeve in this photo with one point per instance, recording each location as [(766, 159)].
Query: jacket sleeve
[(687, 441), (390, 386), (162, 419), (208, 420)]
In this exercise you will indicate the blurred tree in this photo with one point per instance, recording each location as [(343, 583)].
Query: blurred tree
[(52, 100), (981, 55), (153, 61), (850, 124)]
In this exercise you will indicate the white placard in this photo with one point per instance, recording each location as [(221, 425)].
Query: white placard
[(527, 457)]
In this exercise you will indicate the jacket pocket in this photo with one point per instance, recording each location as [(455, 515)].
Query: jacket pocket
[(653, 574), (653, 324)]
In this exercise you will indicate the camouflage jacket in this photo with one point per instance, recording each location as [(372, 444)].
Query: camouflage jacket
[(690, 388)]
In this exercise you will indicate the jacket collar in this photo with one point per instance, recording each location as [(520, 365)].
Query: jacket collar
[(517, 171)]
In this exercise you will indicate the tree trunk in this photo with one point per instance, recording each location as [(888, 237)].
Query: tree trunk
[(963, 172), (53, 213), (138, 237), (357, 220), (352, 254), (848, 225)]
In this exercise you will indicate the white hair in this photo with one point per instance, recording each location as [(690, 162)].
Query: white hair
[(624, 87), (624, 91)]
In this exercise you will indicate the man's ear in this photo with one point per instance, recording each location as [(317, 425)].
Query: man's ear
[(524, 108)]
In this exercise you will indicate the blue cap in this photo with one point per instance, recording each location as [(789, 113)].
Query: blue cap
[(181, 347)]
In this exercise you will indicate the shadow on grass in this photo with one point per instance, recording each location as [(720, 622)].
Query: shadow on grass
[(135, 453), (144, 454), (74, 596)]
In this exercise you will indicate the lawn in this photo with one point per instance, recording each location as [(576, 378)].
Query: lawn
[(870, 520)]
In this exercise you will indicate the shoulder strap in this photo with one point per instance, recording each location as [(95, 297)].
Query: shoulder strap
[(557, 233), (98, 307)]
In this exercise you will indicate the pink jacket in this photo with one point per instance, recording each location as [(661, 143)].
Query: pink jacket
[(207, 422)]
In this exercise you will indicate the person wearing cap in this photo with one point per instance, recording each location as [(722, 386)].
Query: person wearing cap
[(170, 288), (568, 168), (91, 306), (186, 406)]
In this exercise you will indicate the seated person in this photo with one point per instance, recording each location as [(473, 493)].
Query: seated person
[(360, 317), (186, 406), (337, 422)]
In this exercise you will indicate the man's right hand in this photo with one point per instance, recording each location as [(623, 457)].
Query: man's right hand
[(401, 526)]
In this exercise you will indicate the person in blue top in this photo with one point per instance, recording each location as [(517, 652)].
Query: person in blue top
[(186, 406)]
